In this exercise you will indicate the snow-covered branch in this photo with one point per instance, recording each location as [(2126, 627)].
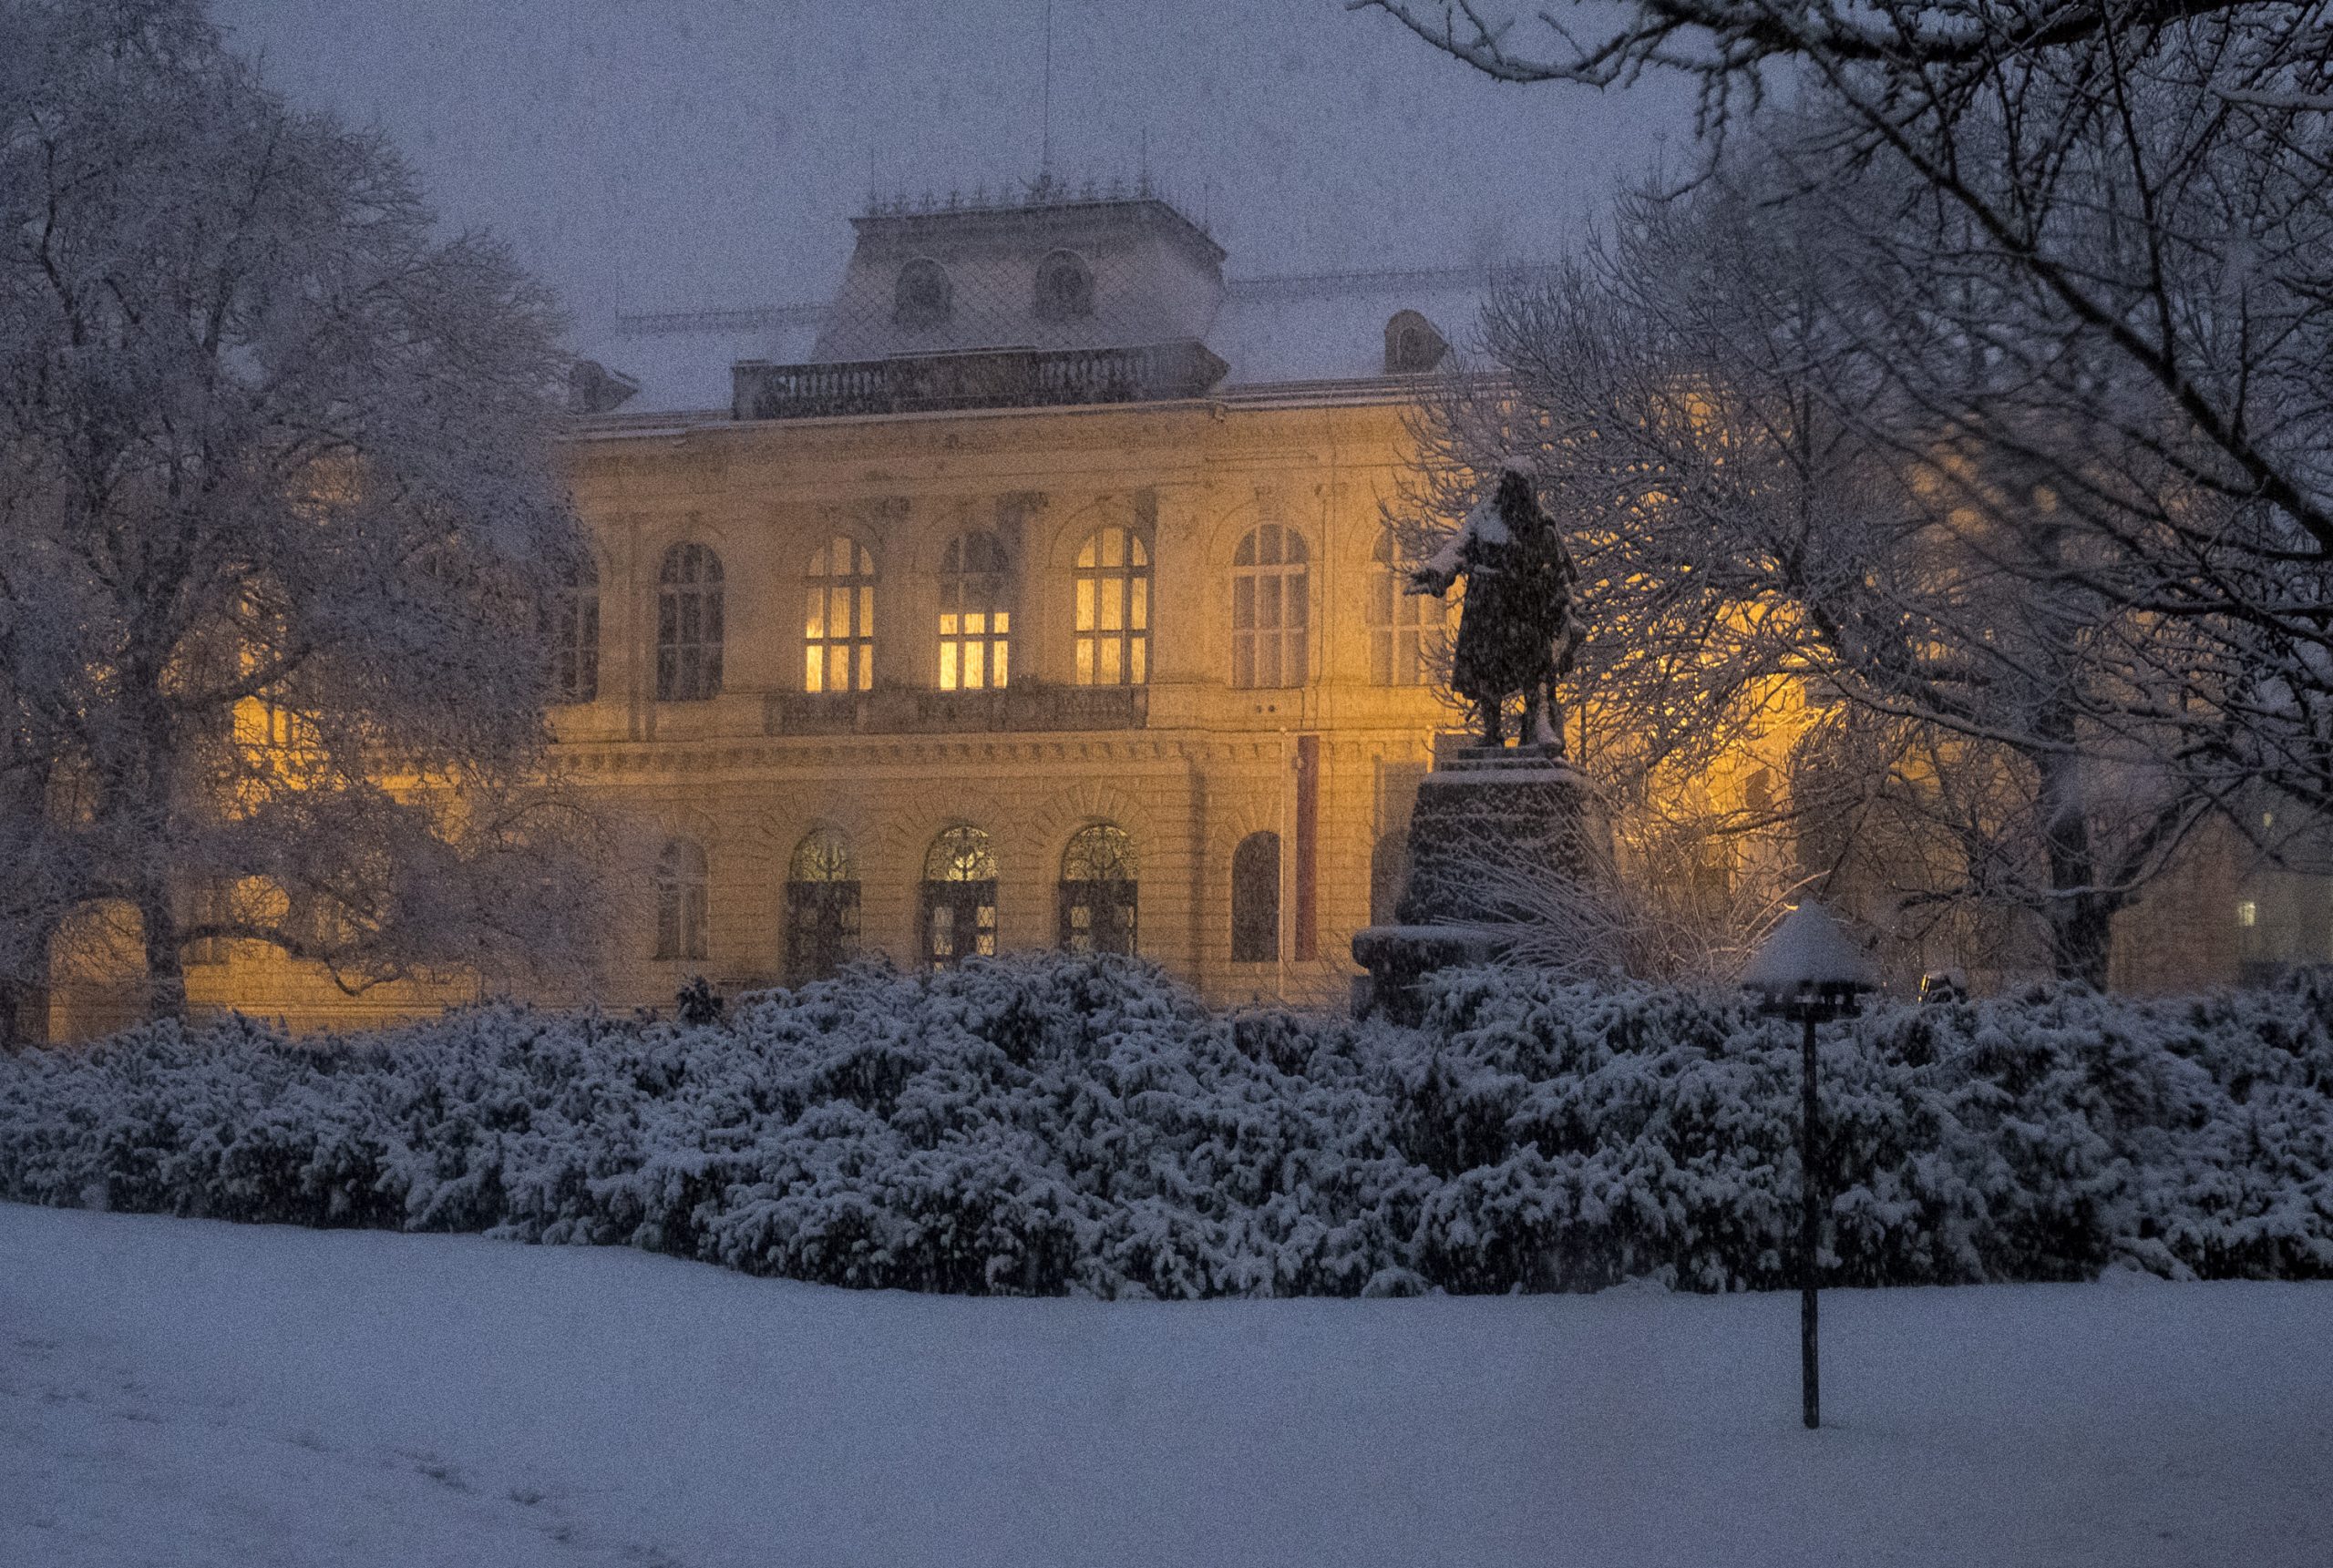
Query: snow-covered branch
[(280, 514)]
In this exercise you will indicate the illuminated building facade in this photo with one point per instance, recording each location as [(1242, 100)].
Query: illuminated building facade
[(1045, 600)]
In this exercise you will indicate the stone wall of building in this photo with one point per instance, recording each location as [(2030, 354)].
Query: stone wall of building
[(1189, 771)]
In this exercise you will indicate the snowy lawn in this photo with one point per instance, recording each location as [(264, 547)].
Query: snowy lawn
[(185, 1391)]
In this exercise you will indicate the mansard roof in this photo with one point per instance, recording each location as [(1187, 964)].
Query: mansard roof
[(1150, 275), (1153, 316)]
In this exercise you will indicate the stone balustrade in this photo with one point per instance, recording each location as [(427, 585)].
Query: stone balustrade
[(987, 378)]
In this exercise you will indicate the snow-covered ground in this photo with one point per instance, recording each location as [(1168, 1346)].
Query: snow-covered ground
[(177, 1391)]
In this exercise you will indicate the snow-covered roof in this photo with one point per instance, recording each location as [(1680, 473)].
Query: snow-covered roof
[(1332, 326), (1309, 328), (1055, 272), (681, 358)]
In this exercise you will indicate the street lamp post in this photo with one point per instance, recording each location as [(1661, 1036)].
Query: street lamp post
[(1808, 970)]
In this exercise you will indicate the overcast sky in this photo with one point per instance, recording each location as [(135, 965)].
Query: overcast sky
[(673, 154)]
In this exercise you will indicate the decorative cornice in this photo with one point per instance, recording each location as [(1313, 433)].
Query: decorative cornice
[(910, 754)]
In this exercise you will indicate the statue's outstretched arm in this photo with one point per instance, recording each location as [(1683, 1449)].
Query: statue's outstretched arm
[(1434, 574)]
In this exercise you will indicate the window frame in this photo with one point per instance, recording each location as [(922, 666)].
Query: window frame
[(1252, 923), (917, 309), (684, 883), (209, 901), (691, 624), (1100, 891), (1271, 568), (853, 592), (970, 658), (958, 891), (1048, 303), (1103, 654), (1389, 876), (574, 612), (823, 907), (1402, 626)]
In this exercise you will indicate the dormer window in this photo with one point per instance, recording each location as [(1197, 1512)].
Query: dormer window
[(1064, 287), (923, 296), (1411, 345)]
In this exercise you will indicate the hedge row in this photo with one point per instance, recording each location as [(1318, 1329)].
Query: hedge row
[(1056, 1125)]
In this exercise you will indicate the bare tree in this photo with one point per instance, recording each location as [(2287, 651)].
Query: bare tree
[(1762, 511), (2110, 230), (278, 514), (1660, 900)]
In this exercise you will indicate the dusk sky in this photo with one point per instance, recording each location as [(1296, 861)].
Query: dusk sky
[(673, 154)]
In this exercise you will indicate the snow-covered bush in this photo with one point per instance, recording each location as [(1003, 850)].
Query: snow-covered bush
[(1079, 1125)]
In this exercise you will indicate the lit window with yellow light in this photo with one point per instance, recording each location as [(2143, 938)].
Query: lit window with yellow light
[(838, 629), (975, 615), (1112, 612)]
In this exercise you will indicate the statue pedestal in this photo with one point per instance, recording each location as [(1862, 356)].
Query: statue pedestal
[(1485, 813)]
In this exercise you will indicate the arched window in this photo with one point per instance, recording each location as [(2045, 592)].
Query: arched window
[(575, 634), (1113, 576), (1403, 627), (688, 625), (922, 297), (1255, 899), (975, 614), (207, 903), (1270, 608), (839, 630), (1411, 345), (959, 898), (1064, 287), (821, 906), (682, 900), (1389, 877), (1097, 891)]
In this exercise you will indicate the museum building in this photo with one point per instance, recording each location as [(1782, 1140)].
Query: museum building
[(1043, 598), (1010, 616)]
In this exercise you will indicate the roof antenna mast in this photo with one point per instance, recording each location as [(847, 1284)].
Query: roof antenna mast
[(1045, 143)]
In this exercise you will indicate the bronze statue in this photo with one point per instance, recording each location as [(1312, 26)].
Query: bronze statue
[(1516, 632)]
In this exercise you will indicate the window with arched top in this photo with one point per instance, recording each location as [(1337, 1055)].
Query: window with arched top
[(1098, 885), (574, 626), (922, 297), (975, 614), (206, 903), (838, 626), (1404, 627), (688, 625), (1255, 899), (1064, 287), (959, 898), (1270, 608), (821, 906), (1389, 877), (1112, 608), (684, 902), (1412, 346)]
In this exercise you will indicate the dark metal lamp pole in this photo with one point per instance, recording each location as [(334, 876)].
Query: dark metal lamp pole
[(1809, 970), (1810, 1364)]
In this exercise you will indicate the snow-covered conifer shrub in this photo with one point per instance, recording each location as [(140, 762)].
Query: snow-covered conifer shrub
[(1079, 1125)]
